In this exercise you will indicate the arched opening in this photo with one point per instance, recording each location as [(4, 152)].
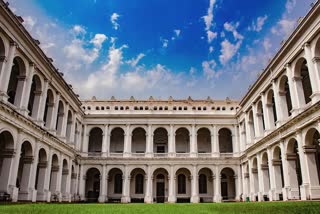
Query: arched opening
[(92, 185), (117, 140), (54, 178), (278, 172), (160, 185), (138, 144), (41, 174), (265, 176), (253, 133), (228, 185), (2, 54), (65, 174), (6, 159), (205, 185), (60, 118), (182, 140), (294, 169), (34, 97), (137, 185), (303, 80), (260, 116), (95, 141), (69, 125), (255, 176), (183, 185), (160, 141), (225, 141), (285, 96), (312, 151), (16, 81), (204, 140), (24, 171), (271, 107), (48, 109), (115, 183)]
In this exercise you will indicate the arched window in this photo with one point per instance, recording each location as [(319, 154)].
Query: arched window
[(181, 184), (306, 83), (202, 184), (48, 109), (225, 141), (18, 71), (139, 183), (95, 140), (117, 140), (118, 184)]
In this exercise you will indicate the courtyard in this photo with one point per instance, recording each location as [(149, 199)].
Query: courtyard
[(251, 207)]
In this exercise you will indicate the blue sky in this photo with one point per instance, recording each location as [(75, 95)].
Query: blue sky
[(160, 48)]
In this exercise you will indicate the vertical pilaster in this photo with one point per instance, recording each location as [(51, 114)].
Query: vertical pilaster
[(172, 188), (105, 140), (194, 185), (148, 196), (102, 196), (127, 141), (172, 146), (149, 146), (193, 142)]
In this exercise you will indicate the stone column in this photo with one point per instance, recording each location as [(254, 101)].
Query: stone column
[(33, 174), (105, 141), (266, 113), (148, 196), (82, 184), (126, 186), (149, 146), (172, 187), (68, 184), (14, 171), (172, 146), (8, 157), (42, 103), (236, 143), (27, 88), (102, 196), (260, 179), (293, 92), (314, 76), (194, 185), (47, 193), (73, 132), (6, 72), (277, 103), (272, 175), (257, 128), (217, 184), (215, 141), (127, 142), (65, 121), (248, 130), (193, 142), (85, 140), (55, 114)]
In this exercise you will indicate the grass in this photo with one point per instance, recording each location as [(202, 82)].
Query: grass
[(251, 207)]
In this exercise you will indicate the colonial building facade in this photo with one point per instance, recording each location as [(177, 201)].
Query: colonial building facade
[(54, 147)]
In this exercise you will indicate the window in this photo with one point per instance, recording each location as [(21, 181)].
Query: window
[(202, 184), (160, 149), (181, 184), (118, 184), (139, 184)]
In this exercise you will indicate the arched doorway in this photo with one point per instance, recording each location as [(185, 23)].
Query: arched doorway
[(294, 170), (138, 144), (117, 140), (137, 185), (225, 141), (95, 141), (6, 159), (115, 185), (41, 174), (228, 185), (182, 141), (205, 185), (160, 141), (24, 171), (204, 140), (92, 185), (160, 185), (183, 185)]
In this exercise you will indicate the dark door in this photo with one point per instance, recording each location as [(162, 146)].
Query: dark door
[(224, 190), (160, 192)]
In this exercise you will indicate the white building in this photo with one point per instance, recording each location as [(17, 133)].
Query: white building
[(55, 147)]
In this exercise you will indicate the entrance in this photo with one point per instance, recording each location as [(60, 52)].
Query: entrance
[(160, 192)]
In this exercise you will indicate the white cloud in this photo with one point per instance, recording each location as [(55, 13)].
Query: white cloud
[(290, 4), (209, 69), (98, 40), (211, 49), (134, 61), (114, 18), (228, 50), (165, 42), (177, 32), (284, 27), (211, 35), (257, 26), (230, 27), (267, 44), (29, 22), (78, 30)]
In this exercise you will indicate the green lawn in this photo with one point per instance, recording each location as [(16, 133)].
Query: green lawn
[(266, 207)]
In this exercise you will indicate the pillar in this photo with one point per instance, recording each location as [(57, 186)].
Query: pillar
[(55, 114), (26, 92), (217, 185), (148, 196), (193, 142), (194, 185), (172, 146), (103, 190), (149, 146), (172, 188), (277, 103), (127, 142), (126, 186), (105, 140)]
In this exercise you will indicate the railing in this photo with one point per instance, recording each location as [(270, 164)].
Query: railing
[(203, 155), (160, 155), (226, 155), (116, 154), (182, 155), (96, 154), (137, 154)]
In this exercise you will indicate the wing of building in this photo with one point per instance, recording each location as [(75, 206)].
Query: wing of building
[(54, 147)]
